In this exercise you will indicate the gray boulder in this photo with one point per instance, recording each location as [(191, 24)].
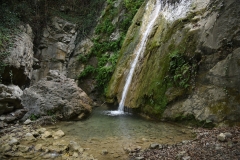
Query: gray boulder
[(10, 98), (56, 95)]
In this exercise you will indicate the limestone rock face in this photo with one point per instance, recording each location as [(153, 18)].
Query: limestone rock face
[(57, 43), (205, 37), (10, 98), (20, 61), (75, 67), (56, 95)]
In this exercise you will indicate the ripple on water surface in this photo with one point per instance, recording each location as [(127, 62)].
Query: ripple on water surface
[(113, 131)]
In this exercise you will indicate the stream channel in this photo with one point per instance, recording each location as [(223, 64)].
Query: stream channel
[(116, 134)]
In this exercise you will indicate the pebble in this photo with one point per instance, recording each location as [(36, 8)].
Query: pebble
[(154, 146), (104, 152), (2, 118), (218, 147), (221, 137), (180, 154), (28, 121), (58, 134), (75, 154), (127, 149), (41, 130), (228, 134), (74, 146), (46, 134), (116, 156), (38, 147), (23, 148), (13, 141), (186, 158), (30, 137), (6, 148)]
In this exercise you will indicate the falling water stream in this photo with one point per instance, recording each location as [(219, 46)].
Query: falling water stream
[(170, 12), (146, 30)]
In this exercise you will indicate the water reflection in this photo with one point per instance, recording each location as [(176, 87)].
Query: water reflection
[(104, 131)]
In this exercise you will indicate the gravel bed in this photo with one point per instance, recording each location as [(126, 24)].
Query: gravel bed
[(214, 144)]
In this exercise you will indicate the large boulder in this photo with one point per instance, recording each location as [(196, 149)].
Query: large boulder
[(20, 60), (57, 44), (56, 95), (10, 98)]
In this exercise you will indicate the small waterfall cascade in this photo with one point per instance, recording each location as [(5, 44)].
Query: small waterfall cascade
[(145, 30), (153, 10)]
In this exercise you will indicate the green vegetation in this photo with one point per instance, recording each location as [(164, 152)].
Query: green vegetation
[(172, 64), (87, 71), (37, 13), (180, 70), (105, 48), (34, 117)]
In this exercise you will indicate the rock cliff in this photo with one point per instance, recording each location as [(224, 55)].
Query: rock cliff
[(20, 60), (57, 43), (190, 64)]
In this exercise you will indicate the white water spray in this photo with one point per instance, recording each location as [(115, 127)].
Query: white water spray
[(140, 49)]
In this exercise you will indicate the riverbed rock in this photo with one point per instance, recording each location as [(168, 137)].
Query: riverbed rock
[(38, 147), (23, 148), (28, 121), (104, 152), (221, 137), (47, 134), (2, 124), (5, 148), (58, 134), (30, 137), (154, 146), (186, 158), (20, 60), (41, 130), (228, 134), (56, 95), (74, 146), (13, 141)]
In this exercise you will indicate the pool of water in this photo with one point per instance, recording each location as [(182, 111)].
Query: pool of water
[(118, 132)]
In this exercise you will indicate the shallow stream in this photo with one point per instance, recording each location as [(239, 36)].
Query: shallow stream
[(116, 134)]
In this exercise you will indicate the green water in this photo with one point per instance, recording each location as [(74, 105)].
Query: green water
[(114, 133), (129, 126)]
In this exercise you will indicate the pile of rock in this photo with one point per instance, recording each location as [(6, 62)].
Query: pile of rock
[(27, 142)]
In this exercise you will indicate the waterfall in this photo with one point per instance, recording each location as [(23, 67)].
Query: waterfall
[(171, 12), (140, 48)]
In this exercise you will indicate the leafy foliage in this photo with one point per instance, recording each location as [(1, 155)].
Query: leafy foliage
[(34, 117), (180, 70), (106, 49), (88, 70)]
